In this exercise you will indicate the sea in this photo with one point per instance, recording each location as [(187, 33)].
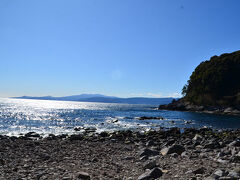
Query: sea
[(19, 116)]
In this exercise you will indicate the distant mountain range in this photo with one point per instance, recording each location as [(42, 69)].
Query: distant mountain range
[(104, 99)]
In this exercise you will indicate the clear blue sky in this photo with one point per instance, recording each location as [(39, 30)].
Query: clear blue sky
[(114, 47)]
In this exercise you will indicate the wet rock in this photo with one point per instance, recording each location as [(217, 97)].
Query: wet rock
[(90, 129), (103, 134), (173, 149), (112, 120), (32, 134), (78, 128), (83, 175), (148, 152), (151, 174), (228, 110), (62, 136), (150, 117), (51, 137)]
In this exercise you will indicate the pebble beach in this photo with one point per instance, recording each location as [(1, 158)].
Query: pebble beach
[(193, 154)]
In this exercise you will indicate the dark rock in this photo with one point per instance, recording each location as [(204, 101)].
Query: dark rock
[(173, 149), (78, 128), (32, 134), (151, 174), (83, 176), (51, 137), (44, 156), (150, 143), (76, 137), (173, 132), (200, 170), (62, 136), (170, 142), (148, 152), (174, 155), (103, 134), (150, 117), (143, 158), (90, 129), (212, 145), (149, 164)]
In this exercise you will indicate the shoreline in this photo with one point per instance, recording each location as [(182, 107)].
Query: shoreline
[(193, 154), (181, 105)]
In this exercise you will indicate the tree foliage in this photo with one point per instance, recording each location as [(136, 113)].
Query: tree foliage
[(215, 81)]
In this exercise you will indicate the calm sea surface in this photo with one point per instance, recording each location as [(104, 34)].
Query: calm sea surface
[(42, 116)]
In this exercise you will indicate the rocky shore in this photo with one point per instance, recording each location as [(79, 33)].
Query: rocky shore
[(124, 155), (182, 105)]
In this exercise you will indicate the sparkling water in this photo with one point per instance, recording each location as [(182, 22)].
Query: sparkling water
[(42, 116)]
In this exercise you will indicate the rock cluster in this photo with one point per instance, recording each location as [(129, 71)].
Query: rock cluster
[(182, 105), (193, 154)]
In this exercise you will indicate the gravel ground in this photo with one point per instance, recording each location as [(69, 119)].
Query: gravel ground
[(194, 154)]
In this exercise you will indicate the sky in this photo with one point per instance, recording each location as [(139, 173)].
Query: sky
[(124, 48)]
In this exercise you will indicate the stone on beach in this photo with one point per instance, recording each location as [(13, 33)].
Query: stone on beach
[(148, 152), (83, 175), (151, 174), (179, 149)]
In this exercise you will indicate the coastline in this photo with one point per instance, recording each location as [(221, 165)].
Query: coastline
[(194, 154), (181, 105)]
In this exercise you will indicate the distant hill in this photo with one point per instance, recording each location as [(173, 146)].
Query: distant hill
[(215, 82), (104, 99)]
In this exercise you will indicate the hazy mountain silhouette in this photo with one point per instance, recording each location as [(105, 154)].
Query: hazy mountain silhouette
[(104, 99)]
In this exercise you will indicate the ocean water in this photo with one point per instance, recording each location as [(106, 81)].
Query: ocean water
[(42, 116)]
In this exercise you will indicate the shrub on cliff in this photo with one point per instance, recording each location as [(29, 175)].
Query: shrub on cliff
[(215, 81)]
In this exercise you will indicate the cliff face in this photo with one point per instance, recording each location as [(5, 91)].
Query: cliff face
[(215, 82)]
